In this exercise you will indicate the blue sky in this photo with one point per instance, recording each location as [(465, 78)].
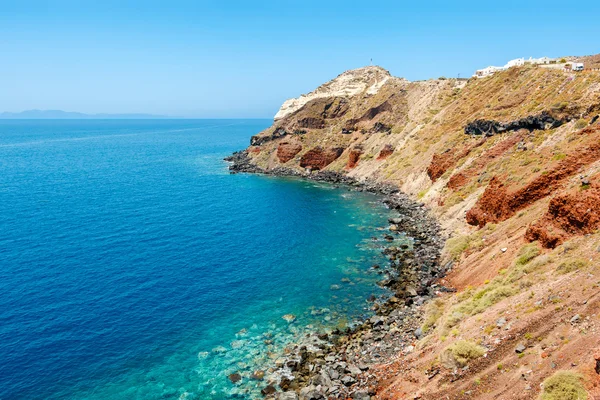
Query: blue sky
[(243, 59)]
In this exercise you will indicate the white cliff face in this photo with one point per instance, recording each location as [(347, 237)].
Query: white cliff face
[(350, 83)]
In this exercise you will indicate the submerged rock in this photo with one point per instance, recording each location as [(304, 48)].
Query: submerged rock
[(268, 390), (235, 378), (258, 375), (289, 318)]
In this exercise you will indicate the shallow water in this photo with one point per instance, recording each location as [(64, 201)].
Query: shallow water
[(133, 265)]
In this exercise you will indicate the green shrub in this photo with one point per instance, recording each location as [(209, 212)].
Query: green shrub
[(527, 253), (432, 314), (570, 266), (454, 319), (541, 261), (560, 106), (581, 123), (563, 385), (559, 156), (457, 245), (486, 298), (462, 352)]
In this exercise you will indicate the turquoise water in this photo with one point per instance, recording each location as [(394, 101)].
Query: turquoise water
[(133, 265)]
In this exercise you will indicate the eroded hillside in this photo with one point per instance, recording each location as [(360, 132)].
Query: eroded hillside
[(510, 164)]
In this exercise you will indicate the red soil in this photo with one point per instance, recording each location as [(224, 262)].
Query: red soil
[(318, 158), (492, 206), (353, 158), (460, 179), (440, 163), (496, 204), (385, 152), (286, 151), (569, 214), (254, 149)]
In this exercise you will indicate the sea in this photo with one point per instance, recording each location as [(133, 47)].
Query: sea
[(133, 265)]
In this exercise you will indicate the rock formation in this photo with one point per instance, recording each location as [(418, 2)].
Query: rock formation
[(286, 151), (387, 151), (318, 158), (348, 84), (531, 123), (353, 157)]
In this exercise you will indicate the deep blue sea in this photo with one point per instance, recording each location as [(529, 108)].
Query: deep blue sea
[(134, 266)]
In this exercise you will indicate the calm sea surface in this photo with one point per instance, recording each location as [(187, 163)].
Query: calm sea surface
[(133, 265)]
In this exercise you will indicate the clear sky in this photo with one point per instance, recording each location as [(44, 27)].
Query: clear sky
[(243, 59)]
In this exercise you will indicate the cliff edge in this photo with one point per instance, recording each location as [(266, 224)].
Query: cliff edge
[(347, 84), (510, 166)]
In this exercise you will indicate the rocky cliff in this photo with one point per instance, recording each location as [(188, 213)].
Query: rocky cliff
[(510, 166), (346, 85)]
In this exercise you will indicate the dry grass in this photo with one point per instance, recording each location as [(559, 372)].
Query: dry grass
[(564, 385), (460, 353)]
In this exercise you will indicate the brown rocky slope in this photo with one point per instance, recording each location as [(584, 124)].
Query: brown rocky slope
[(510, 166)]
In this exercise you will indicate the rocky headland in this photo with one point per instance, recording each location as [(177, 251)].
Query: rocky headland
[(506, 168)]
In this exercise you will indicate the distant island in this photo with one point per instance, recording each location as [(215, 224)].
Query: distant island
[(59, 114)]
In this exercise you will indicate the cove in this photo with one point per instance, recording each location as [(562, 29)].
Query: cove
[(135, 266)]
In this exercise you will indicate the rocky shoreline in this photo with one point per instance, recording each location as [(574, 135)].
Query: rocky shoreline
[(335, 365)]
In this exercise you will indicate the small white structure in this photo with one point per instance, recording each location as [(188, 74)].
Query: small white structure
[(577, 66), (539, 61), (491, 70), (517, 62)]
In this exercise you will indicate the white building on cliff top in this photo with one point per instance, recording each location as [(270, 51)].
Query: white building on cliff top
[(517, 62), (482, 73), (540, 61)]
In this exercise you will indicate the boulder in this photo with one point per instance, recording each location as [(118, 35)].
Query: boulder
[(268, 390), (361, 395), (258, 375), (289, 318), (235, 378)]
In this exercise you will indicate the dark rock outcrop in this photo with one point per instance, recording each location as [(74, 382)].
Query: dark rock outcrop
[(258, 140), (335, 108), (369, 114), (375, 111), (241, 162), (380, 127), (541, 121), (311, 123)]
